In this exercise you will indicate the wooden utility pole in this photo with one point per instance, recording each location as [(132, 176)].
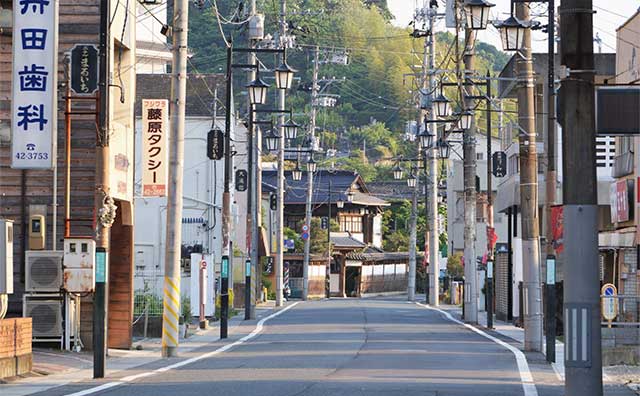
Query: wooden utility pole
[(532, 291), (101, 193), (171, 301), (583, 353), (309, 207)]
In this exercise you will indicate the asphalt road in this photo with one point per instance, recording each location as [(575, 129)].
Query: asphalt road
[(346, 347)]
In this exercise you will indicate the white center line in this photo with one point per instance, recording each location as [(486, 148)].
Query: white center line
[(528, 386), (224, 348)]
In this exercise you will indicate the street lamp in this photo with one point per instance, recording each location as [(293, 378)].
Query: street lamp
[(257, 91), (311, 165), (426, 140), (397, 172), (442, 105), (477, 12), (284, 75), (512, 33), (466, 117), (297, 173), (350, 195), (340, 204), (444, 149), (290, 129), (273, 141), (412, 181)]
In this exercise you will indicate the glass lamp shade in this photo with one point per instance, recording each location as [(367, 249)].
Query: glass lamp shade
[(442, 106), (397, 172), (466, 118), (340, 204), (444, 149), (512, 34), (350, 196), (477, 12), (290, 129), (284, 76), (258, 91), (426, 140), (296, 174), (273, 141), (311, 165), (412, 181)]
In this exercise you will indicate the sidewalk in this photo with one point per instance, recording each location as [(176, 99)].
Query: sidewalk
[(626, 375), (52, 368)]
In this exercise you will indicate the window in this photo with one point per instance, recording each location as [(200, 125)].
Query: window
[(513, 167), (350, 223), (479, 156), (294, 222)]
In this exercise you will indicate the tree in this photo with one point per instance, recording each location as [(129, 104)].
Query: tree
[(297, 240), (396, 242), (455, 269), (319, 238)]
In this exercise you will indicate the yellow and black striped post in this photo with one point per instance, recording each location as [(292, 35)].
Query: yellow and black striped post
[(170, 315)]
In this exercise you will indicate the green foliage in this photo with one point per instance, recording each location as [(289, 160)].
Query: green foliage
[(454, 266), (396, 242), (185, 309)]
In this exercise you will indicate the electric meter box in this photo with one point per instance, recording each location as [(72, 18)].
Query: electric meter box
[(6, 256), (37, 227), (79, 264)]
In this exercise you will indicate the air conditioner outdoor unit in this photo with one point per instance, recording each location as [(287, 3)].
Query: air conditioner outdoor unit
[(46, 316), (43, 271)]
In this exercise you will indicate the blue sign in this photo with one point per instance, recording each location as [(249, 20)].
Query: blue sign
[(305, 236), (609, 291), (247, 266), (289, 244), (101, 267)]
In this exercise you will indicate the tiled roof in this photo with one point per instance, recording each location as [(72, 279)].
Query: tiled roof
[(341, 181), (200, 89), (346, 242), (391, 190)]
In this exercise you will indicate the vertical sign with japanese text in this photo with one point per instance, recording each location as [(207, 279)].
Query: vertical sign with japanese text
[(154, 147), (34, 84)]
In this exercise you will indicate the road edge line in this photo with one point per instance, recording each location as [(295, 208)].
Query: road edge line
[(224, 348), (528, 385)]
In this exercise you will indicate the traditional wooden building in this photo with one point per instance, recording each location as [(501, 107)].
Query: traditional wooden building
[(24, 193)]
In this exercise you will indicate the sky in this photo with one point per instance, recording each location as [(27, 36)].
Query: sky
[(610, 14)]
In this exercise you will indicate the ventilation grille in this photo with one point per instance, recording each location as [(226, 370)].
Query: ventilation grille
[(44, 271), (46, 316)]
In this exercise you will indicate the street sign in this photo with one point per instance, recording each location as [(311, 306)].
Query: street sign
[(215, 144), (490, 269), (551, 270), (84, 69), (101, 265), (305, 228), (224, 271), (289, 244), (268, 268), (241, 180), (247, 268), (305, 236), (609, 302), (499, 164)]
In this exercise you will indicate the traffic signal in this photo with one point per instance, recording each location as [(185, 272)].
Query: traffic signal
[(273, 201)]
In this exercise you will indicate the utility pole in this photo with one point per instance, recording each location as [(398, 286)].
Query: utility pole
[(470, 194), (102, 191), (431, 204), (583, 355), (171, 300), (226, 202), (251, 271), (280, 192), (489, 273), (309, 207), (532, 295), (411, 289), (327, 277), (550, 178)]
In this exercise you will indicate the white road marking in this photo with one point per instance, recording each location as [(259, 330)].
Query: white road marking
[(224, 348), (528, 386)]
